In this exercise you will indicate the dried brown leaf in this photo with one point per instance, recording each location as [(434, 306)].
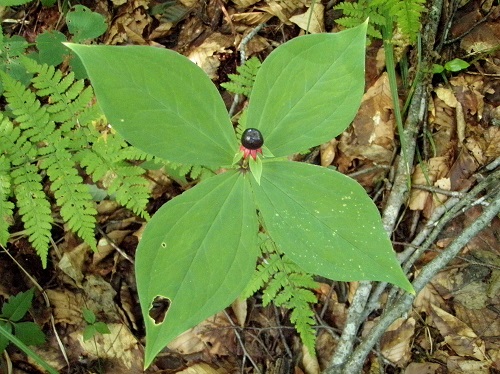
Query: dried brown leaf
[(240, 310), (371, 136), (423, 368), (442, 123), (427, 297), (397, 340), (202, 368), (284, 9), (484, 37), (251, 18), (205, 55), (242, 4), (314, 24), (460, 337), (460, 365), (435, 170), (120, 346), (327, 152), (67, 306)]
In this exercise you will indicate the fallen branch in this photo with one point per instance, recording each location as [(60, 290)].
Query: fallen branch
[(403, 304)]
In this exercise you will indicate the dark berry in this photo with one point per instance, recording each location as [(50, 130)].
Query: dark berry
[(252, 139)]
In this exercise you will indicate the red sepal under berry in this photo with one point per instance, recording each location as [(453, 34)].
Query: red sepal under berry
[(250, 152)]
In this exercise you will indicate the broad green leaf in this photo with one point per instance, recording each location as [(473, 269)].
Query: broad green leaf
[(29, 333), (13, 2), (437, 69), (456, 65), (50, 48), (101, 328), (89, 332), (326, 223), (308, 90), (89, 316), (161, 102), (198, 251), (18, 305), (85, 24)]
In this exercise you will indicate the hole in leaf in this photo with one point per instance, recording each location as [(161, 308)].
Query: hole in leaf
[(159, 309), (163, 245)]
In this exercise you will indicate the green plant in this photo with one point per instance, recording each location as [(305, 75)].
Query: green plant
[(285, 284), (13, 311), (10, 50), (451, 66), (242, 82), (83, 25), (282, 282), (21, 334), (49, 130), (93, 327), (401, 14), (200, 249), (46, 3)]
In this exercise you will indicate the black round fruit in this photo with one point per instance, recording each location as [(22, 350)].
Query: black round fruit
[(252, 139)]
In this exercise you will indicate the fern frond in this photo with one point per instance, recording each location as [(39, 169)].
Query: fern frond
[(6, 206), (67, 97), (105, 162), (302, 317), (33, 207), (32, 117), (355, 14), (54, 129), (9, 135), (242, 82), (129, 186), (407, 14), (404, 13), (285, 284), (72, 195)]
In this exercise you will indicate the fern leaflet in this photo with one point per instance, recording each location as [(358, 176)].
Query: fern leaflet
[(242, 82), (6, 206), (33, 207), (72, 195), (404, 13), (106, 163), (285, 284)]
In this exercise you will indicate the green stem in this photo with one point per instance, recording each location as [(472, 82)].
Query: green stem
[(391, 72)]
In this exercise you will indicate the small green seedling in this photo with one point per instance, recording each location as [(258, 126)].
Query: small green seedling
[(199, 251), (452, 66), (13, 311), (93, 327)]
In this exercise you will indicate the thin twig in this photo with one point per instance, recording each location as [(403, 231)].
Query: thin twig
[(243, 58), (455, 207), (437, 190), (280, 331), (112, 243), (242, 344)]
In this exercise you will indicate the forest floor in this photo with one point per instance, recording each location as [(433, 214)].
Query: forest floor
[(454, 325)]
